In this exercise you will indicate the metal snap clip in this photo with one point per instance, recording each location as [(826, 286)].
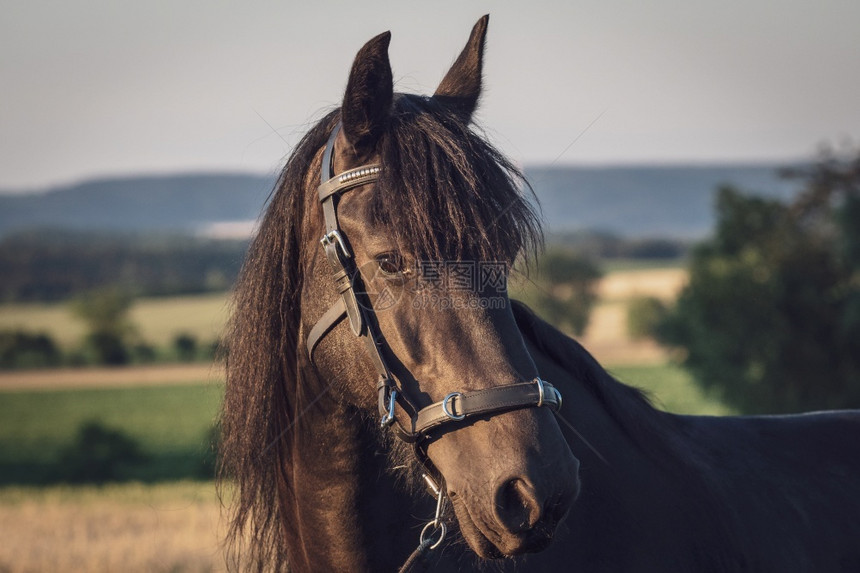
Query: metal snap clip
[(388, 418)]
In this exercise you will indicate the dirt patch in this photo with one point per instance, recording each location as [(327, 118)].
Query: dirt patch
[(606, 336), (607, 339)]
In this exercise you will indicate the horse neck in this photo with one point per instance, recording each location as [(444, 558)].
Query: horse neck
[(604, 425), (348, 511), (644, 486), (321, 493), (603, 410)]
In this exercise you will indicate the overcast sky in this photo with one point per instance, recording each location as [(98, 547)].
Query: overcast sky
[(90, 88)]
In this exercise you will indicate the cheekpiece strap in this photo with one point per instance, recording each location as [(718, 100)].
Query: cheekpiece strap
[(335, 246)]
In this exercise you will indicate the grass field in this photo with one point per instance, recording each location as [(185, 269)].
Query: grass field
[(671, 389), (171, 424), (158, 527), (112, 377)]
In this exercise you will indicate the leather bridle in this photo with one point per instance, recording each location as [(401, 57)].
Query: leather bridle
[(457, 407)]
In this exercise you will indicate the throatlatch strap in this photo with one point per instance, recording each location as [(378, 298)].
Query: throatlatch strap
[(329, 320)]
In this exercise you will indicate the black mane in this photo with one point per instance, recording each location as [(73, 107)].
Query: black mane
[(262, 364), (445, 193)]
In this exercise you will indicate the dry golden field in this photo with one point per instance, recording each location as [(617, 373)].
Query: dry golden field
[(156, 320), (606, 336), (131, 527)]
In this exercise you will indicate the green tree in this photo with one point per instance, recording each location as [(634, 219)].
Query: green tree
[(771, 315), (22, 349), (99, 454), (110, 329), (563, 289), (644, 315), (185, 345)]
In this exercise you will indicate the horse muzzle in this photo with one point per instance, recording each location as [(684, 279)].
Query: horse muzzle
[(510, 496)]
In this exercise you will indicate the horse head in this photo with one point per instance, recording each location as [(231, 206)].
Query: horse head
[(420, 221)]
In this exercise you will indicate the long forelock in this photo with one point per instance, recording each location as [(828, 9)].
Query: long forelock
[(447, 194)]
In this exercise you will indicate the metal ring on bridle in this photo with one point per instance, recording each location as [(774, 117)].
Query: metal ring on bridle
[(443, 530), (447, 411), (540, 392)]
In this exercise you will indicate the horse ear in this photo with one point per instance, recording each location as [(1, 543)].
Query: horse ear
[(369, 93), (461, 87)]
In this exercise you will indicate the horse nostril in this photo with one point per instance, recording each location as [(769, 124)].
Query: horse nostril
[(517, 506)]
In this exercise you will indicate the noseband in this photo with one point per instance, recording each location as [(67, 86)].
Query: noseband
[(457, 407)]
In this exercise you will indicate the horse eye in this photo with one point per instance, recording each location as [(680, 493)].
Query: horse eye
[(390, 263)]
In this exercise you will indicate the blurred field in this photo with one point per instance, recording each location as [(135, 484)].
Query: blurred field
[(130, 527), (606, 336), (671, 389), (163, 527), (171, 423), (622, 285), (126, 376), (158, 320), (170, 410)]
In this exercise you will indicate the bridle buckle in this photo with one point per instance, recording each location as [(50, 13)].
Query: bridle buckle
[(335, 238), (542, 394)]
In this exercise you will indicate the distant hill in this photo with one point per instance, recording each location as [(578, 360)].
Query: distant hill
[(671, 201), (176, 203)]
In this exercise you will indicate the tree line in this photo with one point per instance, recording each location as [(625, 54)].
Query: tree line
[(54, 265), (111, 339)]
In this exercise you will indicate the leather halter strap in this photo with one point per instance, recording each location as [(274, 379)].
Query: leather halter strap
[(457, 407)]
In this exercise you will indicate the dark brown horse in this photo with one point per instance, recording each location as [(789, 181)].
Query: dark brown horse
[(392, 351)]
